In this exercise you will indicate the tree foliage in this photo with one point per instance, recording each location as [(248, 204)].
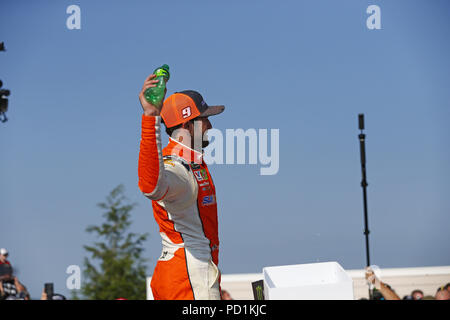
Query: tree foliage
[(116, 267)]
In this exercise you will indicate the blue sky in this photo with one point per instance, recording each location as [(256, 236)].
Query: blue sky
[(306, 68)]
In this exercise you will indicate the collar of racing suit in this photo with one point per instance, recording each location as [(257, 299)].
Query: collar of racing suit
[(181, 150)]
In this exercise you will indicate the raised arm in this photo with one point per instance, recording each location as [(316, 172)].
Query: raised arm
[(151, 173), (157, 181), (387, 293)]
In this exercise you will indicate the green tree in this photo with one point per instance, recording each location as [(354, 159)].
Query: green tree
[(117, 268)]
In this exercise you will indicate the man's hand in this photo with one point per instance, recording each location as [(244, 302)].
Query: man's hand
[(149, 109), (387, 293), (370, 277)]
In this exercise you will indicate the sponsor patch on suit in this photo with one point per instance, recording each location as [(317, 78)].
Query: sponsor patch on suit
[(200, 175), (169, 162), (208, 200)]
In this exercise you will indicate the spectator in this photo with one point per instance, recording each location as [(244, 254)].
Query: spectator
[(226, 295), (376, 295), (442, 294), (8, 289), (383, 290), (5, 265), (22, 295), (3, 255), (22, 291), (55, 296), (10, 286), (417, 295)]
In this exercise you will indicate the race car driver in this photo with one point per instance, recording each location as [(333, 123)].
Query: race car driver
[(178, 182)]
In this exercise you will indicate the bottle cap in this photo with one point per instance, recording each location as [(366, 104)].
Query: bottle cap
[(163, 71)]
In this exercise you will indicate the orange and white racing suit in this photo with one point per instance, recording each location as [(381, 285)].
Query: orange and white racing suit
[(183, 196)]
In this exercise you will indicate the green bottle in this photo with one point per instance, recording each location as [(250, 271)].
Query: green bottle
[(155, 95)]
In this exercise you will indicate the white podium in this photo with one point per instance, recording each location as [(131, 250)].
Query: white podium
[(313, 281)]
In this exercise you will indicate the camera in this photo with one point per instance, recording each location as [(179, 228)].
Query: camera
[(3, 102), (3, 94), (48, 288)]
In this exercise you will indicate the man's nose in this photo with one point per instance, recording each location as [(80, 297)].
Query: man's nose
[(208, 124)]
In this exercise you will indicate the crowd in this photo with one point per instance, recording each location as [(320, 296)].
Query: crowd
[(12, 289), (10, 286), (383, 291)]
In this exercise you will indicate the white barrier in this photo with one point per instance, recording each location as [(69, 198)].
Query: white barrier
[(149, 289), (314, 281)]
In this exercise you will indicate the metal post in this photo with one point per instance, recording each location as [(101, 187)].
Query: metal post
[(364, 184)]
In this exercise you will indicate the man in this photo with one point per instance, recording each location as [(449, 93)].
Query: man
[(7, 280), (183, 196), (384, 289), (3, 256), (442, 294), (226, 295), (417, 294), (5, 265)]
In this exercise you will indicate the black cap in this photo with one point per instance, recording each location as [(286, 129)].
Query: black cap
[(202, 106)]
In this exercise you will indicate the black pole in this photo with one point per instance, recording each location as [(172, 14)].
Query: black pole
[(364, 184)]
